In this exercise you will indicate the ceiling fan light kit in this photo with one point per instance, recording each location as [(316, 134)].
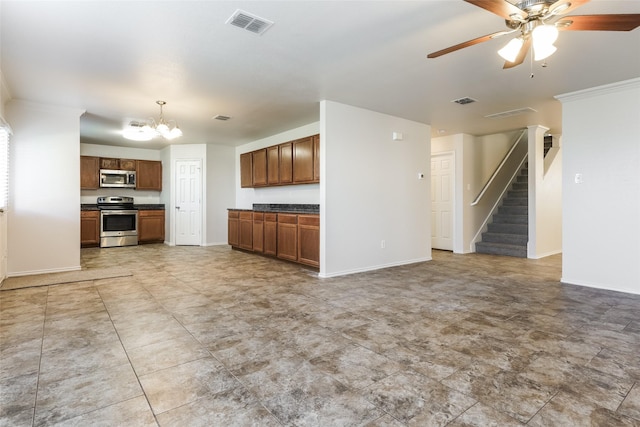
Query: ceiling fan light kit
[(137, 131), (530, 18)]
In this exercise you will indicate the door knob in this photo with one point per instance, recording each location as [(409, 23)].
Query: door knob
[(178, 207)]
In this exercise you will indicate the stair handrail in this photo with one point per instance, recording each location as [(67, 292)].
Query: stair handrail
[(495, 173)]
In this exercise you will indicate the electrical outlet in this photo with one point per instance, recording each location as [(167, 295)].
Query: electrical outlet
[(382, 244)]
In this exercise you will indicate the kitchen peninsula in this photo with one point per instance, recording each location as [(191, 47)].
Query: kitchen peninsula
[(287, 231)]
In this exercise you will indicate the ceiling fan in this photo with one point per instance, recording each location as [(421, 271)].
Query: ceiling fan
[(530, 19)]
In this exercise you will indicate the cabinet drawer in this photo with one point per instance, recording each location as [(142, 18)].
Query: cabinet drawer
[(271, 217), (258, 216), (287, 219), (233, 214), (151, 213), (246, 215), (310, 220)]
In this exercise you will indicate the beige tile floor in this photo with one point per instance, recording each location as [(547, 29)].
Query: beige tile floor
[(214, 337)]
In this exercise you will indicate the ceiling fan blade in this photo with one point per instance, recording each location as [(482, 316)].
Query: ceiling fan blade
[(521, 55), (467, 44), (562, 7), (620, 22), (500, 7)]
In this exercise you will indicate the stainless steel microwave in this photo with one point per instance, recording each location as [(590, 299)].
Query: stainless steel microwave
[(117, 178)]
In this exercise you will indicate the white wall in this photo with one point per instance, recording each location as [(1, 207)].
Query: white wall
[(44, 189), (601, 226), (169, 157), (220, 191), (304, 194), (370, 190), (545, 197), (139, 196), (4, 97)]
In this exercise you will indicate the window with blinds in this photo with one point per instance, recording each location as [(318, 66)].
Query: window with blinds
[(4, 165)]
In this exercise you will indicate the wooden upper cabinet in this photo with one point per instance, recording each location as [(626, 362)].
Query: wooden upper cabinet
[(246, 170), (107, 163), (293, 162), (303, 160), (273, 165), (259, 167), (127, 164), (89, 173), (316, 158), (286, 163), (148, 175)]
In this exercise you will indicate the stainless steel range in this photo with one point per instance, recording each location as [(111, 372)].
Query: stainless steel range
[(118, 221)]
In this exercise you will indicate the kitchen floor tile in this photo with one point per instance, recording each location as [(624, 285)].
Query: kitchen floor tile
[(213, 336)]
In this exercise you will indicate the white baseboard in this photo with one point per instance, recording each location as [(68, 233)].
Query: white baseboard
[(32, 272), (372, 268), (600, 286)]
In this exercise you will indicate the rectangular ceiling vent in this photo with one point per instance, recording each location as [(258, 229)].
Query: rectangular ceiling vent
[(221, 117), (249, 22), (510, 113), (464, 101)]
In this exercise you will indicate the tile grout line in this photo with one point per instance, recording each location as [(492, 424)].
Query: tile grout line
[(44, 321), (128, 358)]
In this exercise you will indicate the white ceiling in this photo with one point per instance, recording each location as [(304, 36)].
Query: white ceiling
[(116, 58)]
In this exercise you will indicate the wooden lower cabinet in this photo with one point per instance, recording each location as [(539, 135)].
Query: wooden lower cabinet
[(288, 237), (271, 234), (258, 232), (293, 237), (309, 240), (151, 226), (233, 228), (89, 228), (245, 239)]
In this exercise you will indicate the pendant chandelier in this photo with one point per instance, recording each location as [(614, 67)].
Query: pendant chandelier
[(146, 131)]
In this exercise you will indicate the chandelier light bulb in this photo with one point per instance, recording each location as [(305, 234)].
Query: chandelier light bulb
[(146, 131)]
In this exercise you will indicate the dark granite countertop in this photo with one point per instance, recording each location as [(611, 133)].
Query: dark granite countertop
[(145, 207), (283, 208), (150, 207)]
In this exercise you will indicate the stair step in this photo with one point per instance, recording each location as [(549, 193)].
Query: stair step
[(518, 193), (522, 178), (510, 219), (520, 185), (513, 210), (497, 227), (511, 239), (515, 201), (501, 249)]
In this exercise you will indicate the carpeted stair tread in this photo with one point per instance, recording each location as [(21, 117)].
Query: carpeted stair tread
[(501, 249), (508, 233)]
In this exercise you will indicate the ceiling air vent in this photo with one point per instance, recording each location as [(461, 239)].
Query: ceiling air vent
[(465, 100), (510, 113), (249, 22), (221, 117)]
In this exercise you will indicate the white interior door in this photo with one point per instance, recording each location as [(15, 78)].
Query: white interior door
[(442, 173), (188, 202)]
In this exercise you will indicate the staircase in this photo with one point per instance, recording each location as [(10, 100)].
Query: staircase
[(508, 232)]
